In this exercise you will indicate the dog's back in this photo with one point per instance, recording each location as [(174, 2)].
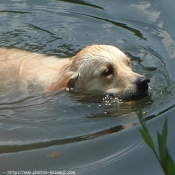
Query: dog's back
[(18, 65), (9, 64)]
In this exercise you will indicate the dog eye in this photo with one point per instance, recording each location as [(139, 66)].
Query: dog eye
[(107, 72)]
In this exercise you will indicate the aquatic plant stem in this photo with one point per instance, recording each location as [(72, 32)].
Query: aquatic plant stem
[(164, 158)]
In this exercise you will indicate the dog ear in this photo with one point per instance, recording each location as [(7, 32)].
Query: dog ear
[(72, 81), (68, 83)]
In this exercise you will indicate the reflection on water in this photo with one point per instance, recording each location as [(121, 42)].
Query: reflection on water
[(111, 158), (88, 134)]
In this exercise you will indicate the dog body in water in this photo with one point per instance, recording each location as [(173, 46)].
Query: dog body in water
[(103, 69)]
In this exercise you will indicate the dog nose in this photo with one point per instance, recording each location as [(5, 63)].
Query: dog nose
[(142, 83)]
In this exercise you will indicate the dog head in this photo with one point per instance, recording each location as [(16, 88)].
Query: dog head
[(102, 69), (106, 69)]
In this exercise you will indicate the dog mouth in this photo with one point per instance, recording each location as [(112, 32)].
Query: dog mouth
[(140, 91), (133, 95), (136, 96), (112, 99), (128, 95)]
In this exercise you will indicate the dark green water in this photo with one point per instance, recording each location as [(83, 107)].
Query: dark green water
[(77, 134)]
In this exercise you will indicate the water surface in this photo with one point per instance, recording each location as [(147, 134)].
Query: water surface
[(70, 132)]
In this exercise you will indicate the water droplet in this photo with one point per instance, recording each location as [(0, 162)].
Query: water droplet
[(67, 89)]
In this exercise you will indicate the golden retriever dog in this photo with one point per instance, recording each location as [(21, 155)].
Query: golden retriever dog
[(102, 69)]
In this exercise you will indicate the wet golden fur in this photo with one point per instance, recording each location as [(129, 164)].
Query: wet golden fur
[(100, 68)]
